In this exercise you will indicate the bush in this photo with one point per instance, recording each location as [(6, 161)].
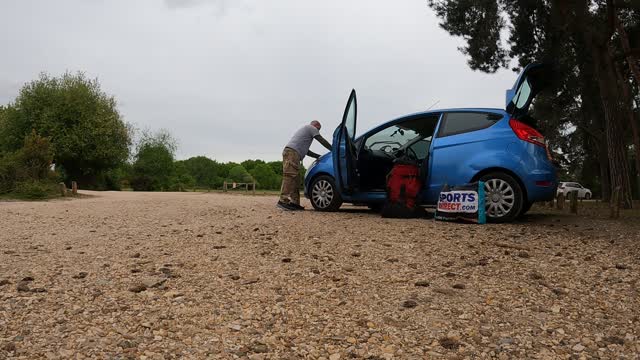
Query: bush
[(8, 170), (35, 189)]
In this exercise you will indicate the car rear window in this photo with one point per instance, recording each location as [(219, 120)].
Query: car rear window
[(462, 122)]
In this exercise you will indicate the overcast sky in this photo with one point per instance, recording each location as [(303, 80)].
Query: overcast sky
[(233, 79)]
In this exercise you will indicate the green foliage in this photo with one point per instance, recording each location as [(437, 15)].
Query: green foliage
[(251, 164), (35, 189), (206, 172), (154, 163), (88, 135), (181, 179), (276, 166), (35, 157), (265, 177), (239, 174), (9, 166), (26, 172)]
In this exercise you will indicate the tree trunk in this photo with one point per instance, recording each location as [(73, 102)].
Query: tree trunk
[(605, 182), (624, 41), (628, 109), (614, 114)]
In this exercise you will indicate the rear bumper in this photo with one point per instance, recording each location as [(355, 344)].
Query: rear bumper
[(542, 185)]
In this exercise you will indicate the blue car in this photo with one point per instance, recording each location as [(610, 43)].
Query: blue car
[(454, 146)]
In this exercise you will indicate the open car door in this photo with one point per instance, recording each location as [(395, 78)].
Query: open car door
[(344, 159), (533, 79)]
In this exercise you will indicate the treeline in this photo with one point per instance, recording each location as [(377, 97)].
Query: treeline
[(154, 168), (63, 129)]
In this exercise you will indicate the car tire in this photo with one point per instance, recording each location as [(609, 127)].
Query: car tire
[(527, 206), (324, 194), (587, 196), (504, 197)]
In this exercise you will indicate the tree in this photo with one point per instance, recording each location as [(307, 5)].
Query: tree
[(154, 162), (251, 164), (181, 179), (579, 38), (276, 166), (265, 176), (87, 133), (206, 172), (239, 174)]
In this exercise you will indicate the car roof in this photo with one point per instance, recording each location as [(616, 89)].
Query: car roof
[(431, 112)]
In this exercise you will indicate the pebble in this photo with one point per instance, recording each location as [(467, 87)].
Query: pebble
[(459, 286), (23, 286), (250, 281), (260, 348), (9, 347), (422, 283), (137, 288), (409, 304), (80, 275)]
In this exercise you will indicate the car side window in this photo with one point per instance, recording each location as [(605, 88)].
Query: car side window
[(462, 122), (415, 133)]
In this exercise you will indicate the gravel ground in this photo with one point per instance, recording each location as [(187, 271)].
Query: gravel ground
[(165, 275)]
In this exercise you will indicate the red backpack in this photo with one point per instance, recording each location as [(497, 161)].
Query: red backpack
[(403, 187)]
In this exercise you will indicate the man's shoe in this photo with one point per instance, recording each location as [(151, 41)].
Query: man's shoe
[(286, 206), (296, 206)]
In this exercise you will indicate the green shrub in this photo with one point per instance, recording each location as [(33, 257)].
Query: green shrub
[(35, 190), (8, 170)]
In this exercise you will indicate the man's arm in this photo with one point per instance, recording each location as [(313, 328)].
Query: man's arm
[(322, 141), (312, 154)]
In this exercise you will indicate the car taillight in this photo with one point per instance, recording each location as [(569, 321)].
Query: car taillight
[(527, 133)]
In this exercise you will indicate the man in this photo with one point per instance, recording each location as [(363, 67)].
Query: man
[(294, 152)]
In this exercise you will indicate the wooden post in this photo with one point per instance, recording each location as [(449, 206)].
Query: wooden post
[(573, 202), (560, 203), (254, 188), (74, 188), (614, 204), (63, 189), (224, 186)]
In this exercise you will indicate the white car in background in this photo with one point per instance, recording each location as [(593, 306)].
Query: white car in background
[(567, 187)]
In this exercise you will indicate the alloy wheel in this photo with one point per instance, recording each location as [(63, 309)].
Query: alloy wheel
[(322, 194), (499, 197)]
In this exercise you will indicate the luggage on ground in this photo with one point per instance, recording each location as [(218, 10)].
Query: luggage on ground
[(403, 188)]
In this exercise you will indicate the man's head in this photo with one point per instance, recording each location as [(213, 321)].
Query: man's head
[(316, 124)]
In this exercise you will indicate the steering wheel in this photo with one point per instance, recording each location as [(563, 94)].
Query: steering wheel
[(387, 149)]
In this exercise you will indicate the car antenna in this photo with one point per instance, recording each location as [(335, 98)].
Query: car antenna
[(434, 104)]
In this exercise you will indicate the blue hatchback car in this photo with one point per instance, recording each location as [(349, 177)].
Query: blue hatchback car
[(453, 146)]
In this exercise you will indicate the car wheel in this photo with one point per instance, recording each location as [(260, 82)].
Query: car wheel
[(504, 199), (587, 196), (324, 194), (527, 206)]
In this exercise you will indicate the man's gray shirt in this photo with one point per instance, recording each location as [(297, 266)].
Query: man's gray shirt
[(302, 139)]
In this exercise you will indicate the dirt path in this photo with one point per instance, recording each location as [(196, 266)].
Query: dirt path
[(223, 276)]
